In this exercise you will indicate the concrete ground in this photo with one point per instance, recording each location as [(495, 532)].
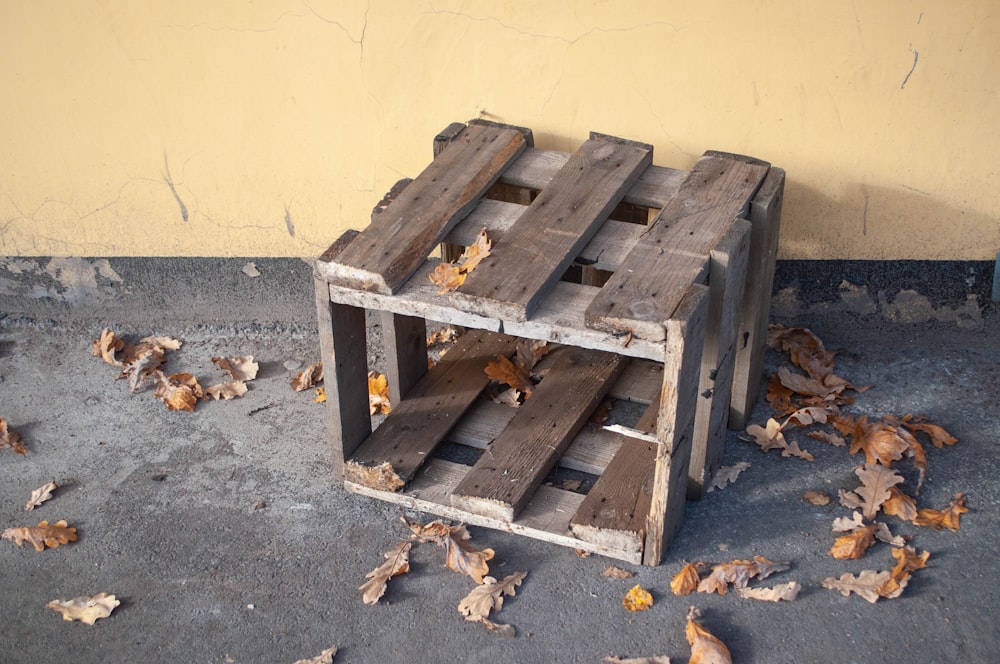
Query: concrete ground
[(226, 540)]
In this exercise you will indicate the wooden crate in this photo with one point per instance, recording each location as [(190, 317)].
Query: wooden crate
[(637, 271)]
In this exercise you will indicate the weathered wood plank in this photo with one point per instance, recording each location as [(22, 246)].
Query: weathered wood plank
[(398, 239), (413, 430), (674, 428), (504, 478), (727, 277), (615, 510), (674, 252), (549, 235), (765, 217), (545, 518), (343, 351), (559, 319), (404, 343), (640, 382)]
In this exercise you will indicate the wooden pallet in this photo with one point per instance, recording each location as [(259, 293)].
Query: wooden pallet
[(638, 272)]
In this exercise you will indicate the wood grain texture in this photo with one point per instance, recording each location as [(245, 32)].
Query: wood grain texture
[(765, 218), (398, 239), (552, 231), (390, 457), (674, 252), (404, 341), (504, 478)]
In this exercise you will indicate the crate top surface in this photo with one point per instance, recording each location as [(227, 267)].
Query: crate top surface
[(564, 216)]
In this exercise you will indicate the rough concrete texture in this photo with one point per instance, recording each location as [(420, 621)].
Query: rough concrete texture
[(226, 540)]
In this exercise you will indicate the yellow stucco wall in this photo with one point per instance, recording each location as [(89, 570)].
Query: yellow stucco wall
[(238, 128)]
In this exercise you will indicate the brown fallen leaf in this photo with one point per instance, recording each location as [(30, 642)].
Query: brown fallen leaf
[(901, 505), (378, 393), (613, 572), (786, 592), (827, 437), (43, 535), (40, 495), (770, 437), (10, 438), (706, 648), (239, 368), (727, 475), (445, 335), (488, 596), (460, 556), (655, 659), (320, 395), (308, 377), (853, 545), (450, 276), (107, 346), (876, 482), (947, 518), (883, 534), (939, 437), (866, 584), (686, 580), (637, 599), (397, 561), (228, 390), (447, 277), (738, 573), (179, 391), (880, 442), (810, 415), (87, 610), (818, 498), (325, 657), (512, 374), (844, 524), (779, 397), (804, 349)]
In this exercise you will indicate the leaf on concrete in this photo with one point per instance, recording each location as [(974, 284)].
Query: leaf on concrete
[(655, 659), (738, 574), (770, 437), (783, 592), (637, 599), (320, 395), (107, 346), (43, 535), (947, 518), (826, 389), (87, 610), (378, 393), (850, 500), (166, 343), (818, 498), (939, 437), (12, 439), (325, 657), (901, 505), (462, 557), (488, 596), (228, 390), (506, 631), (804, 349), (827, 437), (613, 572), (845, 524), (876, 482), (810, 415), (686, 581), (866, 584), (779, 397), (706, 648), (250, 269), (883, 534), (880, 442), (40, 495), (397, 561), (853, 545), (239, 368), (308, 377), (726, 475), (179, 391)]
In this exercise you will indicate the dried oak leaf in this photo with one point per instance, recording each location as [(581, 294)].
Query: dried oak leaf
[(378, 393), (844, 524), (901, 505), (450, 276), (883, 534), (239, 368), (853, 545), (810, 415), (320, 395), (779, 397), (876, 482), (325, 657), (511, 374), (87, 610), (727, 475), (655, 659), (738, 573), (10, 438), (706, 648), (770, 437), (637, 599), (786, 592), (445, 335), (106, 346), (818, 498), (397, 561), (40, 495), (686, 580), (461, 557), (827, 437), (939, 437), (228, 390), (803, 347), (866, 584), (488, 596), (827, 388), (179, 391), (308, 377), (43, 535), (946, 518), (880, 442), (613, 572)]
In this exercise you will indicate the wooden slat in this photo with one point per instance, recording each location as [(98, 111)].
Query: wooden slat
[(503, 479), (404, 342), (343, 351), (765, 217), (413, 430), (545, 517), (398, 240), (674, 428), (615, 510), (674, 251), (727, 276), (640, 382), (549, 235), (559, 319)]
